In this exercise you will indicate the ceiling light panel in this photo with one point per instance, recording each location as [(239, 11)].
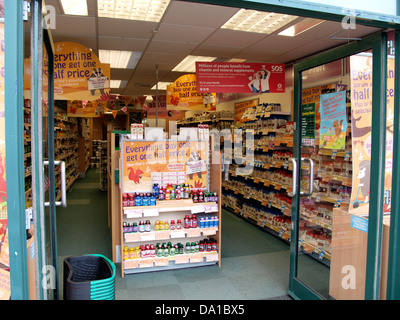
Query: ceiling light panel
[(75, 7), (116, 84), (300, 27), (120, 59), (189, 63), (258, 21), (161, 86), (142, 10)]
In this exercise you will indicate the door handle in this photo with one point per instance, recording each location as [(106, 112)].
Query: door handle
[(294, 178), (311, 187), (63, 201)]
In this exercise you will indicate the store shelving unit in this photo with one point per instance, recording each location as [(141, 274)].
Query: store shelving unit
[(83, 147), (260, 195), (66, 149), (172, 210)]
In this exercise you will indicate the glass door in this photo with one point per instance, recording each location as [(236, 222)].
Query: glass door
[(43, 164), (339, 137)]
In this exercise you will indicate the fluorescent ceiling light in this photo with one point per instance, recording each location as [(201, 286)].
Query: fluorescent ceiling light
[(75, 7), (143, 10), (258, 21), (300, 27), (116, 84), (189, 63), (120, 59), (236, 60), (161, 86)]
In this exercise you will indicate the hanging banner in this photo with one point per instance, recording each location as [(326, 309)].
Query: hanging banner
[(241, 77), (90, 109), (162, 111), (332, 132), (361, 125), (78, 73), (164, 162), (183, 95)]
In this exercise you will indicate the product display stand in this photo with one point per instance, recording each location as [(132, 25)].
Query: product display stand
[(168, 211)]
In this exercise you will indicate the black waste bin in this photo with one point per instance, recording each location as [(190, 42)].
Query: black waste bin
[(89, 277)]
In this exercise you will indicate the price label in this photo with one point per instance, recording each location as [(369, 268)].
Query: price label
[(198, 209), (181, 259), (178, 234), (161, 262), (162, 235), (147, 236), (130, 264), (212, 257), (196, 258), (194, 232), (134, 213), (209, 231), (146, 263), (132, 237), (150, 212)]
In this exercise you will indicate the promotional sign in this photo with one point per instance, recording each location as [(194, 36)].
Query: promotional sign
[(78, 73), (308, 125), (361, 126), (240, 77), (85, 109), (175, 162), (332, 134), (162, 111), (183, 94), (3, 186), (241, 107)]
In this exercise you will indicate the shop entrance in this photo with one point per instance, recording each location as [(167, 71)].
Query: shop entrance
[(335, 189), (321, 169)]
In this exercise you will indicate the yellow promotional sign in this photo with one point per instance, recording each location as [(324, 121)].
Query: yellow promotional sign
[(361, 126), (183, 95), (78, 73), (148, 162), (85, 109)]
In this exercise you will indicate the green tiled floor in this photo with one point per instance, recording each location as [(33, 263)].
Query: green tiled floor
[(255, 265)]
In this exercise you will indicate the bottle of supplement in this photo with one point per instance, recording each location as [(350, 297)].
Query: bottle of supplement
[(194, 221), (125, 200), (152, 199), (178, 224), (157, 225), (126, 253), (192, 247), (145, 200), (138, 200), (172, 195), (131, 253), (141, 226), (156, 190), (124, 227), (197, 247), (201, 196), (166, 225), (134, 227), (147, 226), (172, 225), (152, 251), (167, 195), (161, 195), (187, 223), (137, 252), (187, 247)]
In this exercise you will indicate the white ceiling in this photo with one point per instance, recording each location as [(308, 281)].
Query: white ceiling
[(188, 28)]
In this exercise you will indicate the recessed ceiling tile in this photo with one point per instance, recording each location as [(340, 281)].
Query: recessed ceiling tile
[(88, 42), (120, 74), (198, 14), (126, 28), (278, 44), (182, 33), (171, 47), (233, 38), (215, 51), (125, 44), (75, 25)]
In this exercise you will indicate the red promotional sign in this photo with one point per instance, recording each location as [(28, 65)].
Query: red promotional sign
[(223, 77)]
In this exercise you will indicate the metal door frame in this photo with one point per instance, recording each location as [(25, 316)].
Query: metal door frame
[(378, 44)]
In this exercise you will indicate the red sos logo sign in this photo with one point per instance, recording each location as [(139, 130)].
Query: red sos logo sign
[(276, 68)]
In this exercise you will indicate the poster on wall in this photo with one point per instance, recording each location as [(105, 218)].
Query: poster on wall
[(240, 77), (333, 128), (85, 109), (4, 257), (183, 95), (78, 73), (164, 162), (361, 127), (308, 125), (162, 109)]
